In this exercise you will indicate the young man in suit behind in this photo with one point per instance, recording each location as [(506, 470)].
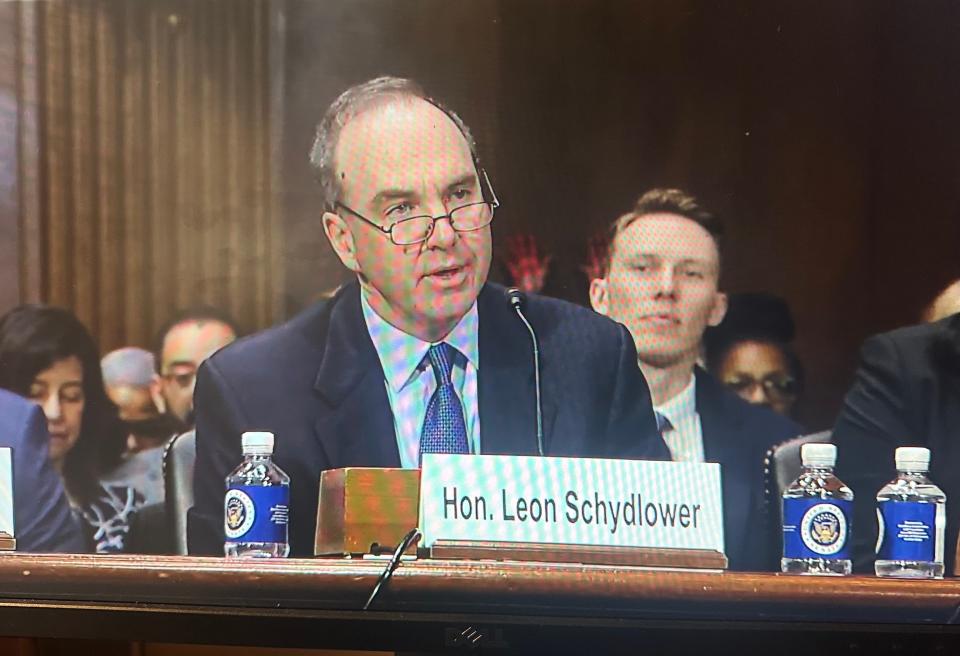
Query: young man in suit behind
[(662, 282)]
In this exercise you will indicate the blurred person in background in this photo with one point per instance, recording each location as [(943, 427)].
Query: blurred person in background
[(906, 392), (48, 356), (182, 345), (749, 352), (129, 374), (132, 384), (42, 519), (945, 304)]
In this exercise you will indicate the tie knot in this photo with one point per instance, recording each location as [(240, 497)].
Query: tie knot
[(663, 424), (441, 359)]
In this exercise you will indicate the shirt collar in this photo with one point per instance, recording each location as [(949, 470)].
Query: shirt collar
[(682, 406), (401, 354)]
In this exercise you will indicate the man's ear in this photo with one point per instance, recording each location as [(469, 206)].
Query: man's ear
[(156, 394), (598, 295), (719, 310), (340, 237)]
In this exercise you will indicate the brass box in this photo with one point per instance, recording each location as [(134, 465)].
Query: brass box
[(361, 508)]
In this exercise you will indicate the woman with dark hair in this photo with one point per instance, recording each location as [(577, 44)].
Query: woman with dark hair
[(47, 355)]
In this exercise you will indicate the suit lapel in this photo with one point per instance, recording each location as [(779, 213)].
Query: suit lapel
[(506, 391), (354, 423), (717, 425), (723, 443)]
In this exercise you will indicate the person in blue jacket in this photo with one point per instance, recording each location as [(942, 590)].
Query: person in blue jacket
[(42, 518)]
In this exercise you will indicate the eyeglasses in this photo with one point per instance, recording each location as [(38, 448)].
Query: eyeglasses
[(776, 387), (183, 379), (417, 229)]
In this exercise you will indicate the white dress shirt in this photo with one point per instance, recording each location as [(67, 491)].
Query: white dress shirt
[(685, 438), (410, 381)]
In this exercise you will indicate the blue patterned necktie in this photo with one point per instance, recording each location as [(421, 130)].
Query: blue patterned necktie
[(444, 430)]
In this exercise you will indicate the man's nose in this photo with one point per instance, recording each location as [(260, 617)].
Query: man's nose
[(666, 282), (756, 394), (443, 234)]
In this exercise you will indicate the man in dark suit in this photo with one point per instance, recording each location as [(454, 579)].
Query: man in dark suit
[(906, 393), (421, 354), (661, 280), (41, 513)]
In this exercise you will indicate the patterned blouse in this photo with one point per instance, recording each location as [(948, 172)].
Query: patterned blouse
[(136, 482), (106, 519)]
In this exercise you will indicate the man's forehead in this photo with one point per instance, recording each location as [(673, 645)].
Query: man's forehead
[(400, 144), (665, 234), (195, 340)]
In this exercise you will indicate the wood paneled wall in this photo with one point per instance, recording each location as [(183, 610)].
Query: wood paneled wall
[(150, 187)]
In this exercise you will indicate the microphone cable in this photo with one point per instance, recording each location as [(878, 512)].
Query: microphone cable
[(408, 540), (517, 298)]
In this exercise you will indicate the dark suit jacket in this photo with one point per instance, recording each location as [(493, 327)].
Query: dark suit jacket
[(41, 513), (317, 383), (737, 435), (906, 393)]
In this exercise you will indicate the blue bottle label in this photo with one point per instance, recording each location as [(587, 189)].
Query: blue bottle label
[(256, 514), (907, 530), (817, 528)]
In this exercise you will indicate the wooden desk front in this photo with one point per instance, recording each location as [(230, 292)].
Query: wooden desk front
[(499, 607)]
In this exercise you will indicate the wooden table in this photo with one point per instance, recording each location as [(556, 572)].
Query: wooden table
[(461, 605)]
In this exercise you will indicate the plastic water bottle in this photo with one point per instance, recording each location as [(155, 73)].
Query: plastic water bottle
[(912, 514), (817, 512), (257, 504)]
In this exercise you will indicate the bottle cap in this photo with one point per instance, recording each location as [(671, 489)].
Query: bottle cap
[(912, 458), (818, 455), (257, 443)]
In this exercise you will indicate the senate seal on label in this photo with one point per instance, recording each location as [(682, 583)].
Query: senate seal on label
[(824, 529), (239, 513)]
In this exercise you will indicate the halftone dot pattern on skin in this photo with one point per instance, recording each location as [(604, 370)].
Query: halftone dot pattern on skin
[(662, 285), (756, 361), (194, 341), (412, 146)]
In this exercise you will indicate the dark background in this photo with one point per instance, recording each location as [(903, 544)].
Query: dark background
[(824, 134)]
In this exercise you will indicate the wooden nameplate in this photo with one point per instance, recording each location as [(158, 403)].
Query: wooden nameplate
[(365, 510), (584, 554)]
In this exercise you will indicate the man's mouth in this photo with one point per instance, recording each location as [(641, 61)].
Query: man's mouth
[(445, 273), (662, 317)]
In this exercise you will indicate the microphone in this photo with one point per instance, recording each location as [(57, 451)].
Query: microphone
[(517, 299)]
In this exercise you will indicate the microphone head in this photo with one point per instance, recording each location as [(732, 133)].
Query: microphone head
[(515, 296)]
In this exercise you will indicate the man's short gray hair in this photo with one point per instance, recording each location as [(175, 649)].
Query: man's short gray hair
[(354, 101)]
